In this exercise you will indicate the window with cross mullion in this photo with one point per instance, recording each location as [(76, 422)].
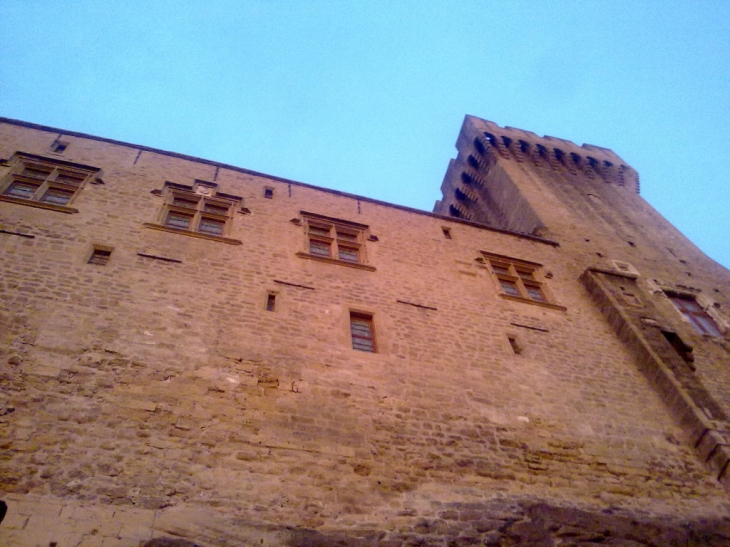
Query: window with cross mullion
[(44, 180), (702, 321), (188, 211), (332, 241), (519, 279)]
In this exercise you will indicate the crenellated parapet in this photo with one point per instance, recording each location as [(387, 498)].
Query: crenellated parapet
[(474, 189), (587, 160)]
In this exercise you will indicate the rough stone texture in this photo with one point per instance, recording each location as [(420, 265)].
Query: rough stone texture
[(154, 398)]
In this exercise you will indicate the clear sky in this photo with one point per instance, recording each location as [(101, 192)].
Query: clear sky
[(368, 97)]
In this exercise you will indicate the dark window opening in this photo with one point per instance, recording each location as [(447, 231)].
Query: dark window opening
[(524, 147), (268, 193), (467, 179), (100, 257), (516, 348), (446, 232), (270, 302), (559, 155), (492, 139), (542, 151), (576, 158), (478, 146), (682, 349), (59, 147), (472, 161), (593, 162), (462, 196), (506, 141)]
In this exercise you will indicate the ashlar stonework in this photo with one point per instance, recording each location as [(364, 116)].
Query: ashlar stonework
[(198, 354)]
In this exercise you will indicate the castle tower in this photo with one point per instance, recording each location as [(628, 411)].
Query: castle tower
[(663, 296)]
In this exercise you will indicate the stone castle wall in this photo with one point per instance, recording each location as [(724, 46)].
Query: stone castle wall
[(156, 394)]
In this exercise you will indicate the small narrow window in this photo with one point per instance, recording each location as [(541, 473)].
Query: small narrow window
[(270, 302), (516, 348), (361, 330), (59, 147), (100, 256), (268, 192), (446, 231)]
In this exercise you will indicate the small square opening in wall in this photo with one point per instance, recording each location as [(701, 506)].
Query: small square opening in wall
[(59, 147), (446, 231), (100, 256), (268, 192)]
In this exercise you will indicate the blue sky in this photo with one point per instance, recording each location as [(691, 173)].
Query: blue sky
[(368, 97)]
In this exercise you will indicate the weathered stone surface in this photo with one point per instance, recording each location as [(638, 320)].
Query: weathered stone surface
[(169, 542), (157, 396)]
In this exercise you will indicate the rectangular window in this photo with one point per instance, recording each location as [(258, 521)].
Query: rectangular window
[(519, 279), (57, 196), (44, 180), (211, 226), (186, 210), (337, 240), (361, 330), (695, 314), (22, 190), (100, 256)]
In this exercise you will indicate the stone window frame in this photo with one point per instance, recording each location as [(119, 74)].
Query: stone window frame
[(520, 280), (334, 241), (51, 184), (362, 332), (203, 207), (698, 318), (100, 255)]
